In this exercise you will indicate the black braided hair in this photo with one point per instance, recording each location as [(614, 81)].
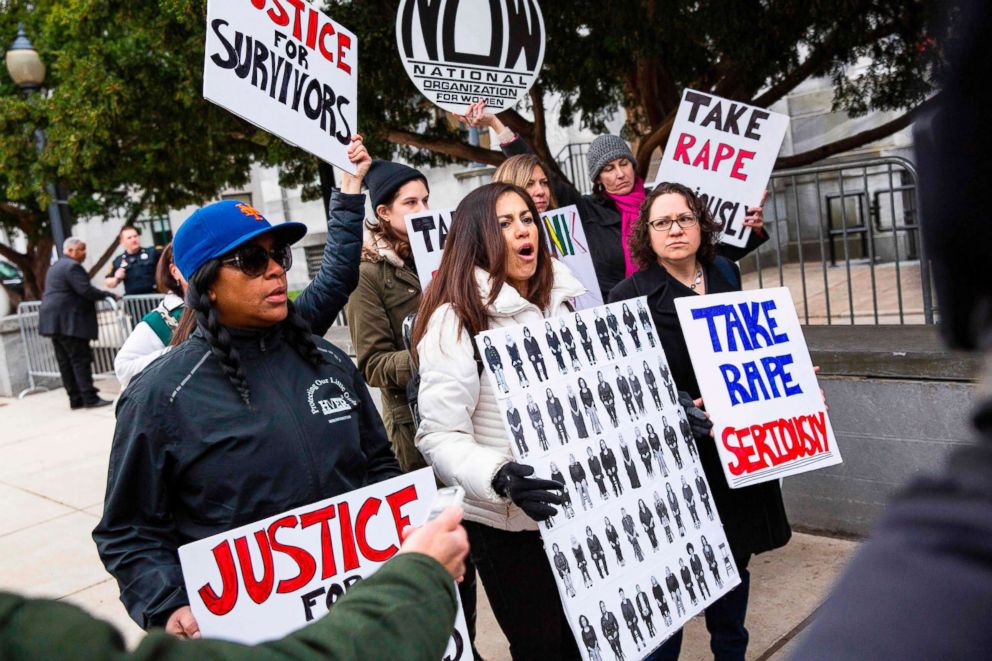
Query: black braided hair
[(217, 336), (300, 338)]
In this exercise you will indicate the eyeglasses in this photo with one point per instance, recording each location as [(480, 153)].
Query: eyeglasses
[(685, 221), (253, 259)]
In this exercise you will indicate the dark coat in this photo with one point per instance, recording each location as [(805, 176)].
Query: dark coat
[(555, 409), (606, 393), (493, 358), (532, 348), (514, 353), (753, 517), (68, 306)]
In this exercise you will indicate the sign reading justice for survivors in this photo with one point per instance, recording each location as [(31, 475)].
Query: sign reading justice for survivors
[(757, 379), (725, 151)]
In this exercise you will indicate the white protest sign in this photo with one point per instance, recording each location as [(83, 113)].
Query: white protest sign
[(567, 241), (725, 151), (756, 376), (426, 232), (267, 579), (287, 68), (637, 547), (459, 51)]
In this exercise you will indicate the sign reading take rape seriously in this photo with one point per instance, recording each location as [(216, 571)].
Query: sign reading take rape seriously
[(288, 68), (725, 151), (266, 579), (757, 380)]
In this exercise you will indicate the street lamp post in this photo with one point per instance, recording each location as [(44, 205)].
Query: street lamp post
[(28, 72)]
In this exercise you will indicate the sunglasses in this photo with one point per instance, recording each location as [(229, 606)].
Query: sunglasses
[(253, 259)]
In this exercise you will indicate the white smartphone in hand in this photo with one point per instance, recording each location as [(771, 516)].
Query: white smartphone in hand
[(445, 498)]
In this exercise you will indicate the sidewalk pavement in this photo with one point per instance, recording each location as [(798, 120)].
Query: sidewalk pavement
[(53, 471)]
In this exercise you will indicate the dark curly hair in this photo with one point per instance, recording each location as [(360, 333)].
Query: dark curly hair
[(640, 237)]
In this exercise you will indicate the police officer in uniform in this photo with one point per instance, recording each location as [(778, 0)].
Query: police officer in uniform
[(135, 267)]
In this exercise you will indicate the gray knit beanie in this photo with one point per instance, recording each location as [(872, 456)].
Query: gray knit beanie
[(606, 148)]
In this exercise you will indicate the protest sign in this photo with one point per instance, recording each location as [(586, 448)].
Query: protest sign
[(287, 68), (637, 547), (426, 232), (756, 376), (725, 151), (457, 53), (266, 579)]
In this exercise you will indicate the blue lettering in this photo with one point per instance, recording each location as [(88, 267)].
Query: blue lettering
[(768, 306), (708, 314), (738, 393), (752, 313)]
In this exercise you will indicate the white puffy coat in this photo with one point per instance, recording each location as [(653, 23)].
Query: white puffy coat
[(142, 346), (461, 432)]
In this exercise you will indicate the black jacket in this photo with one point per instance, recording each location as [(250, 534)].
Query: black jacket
[(68, 304), (753, 517), (190, 460)]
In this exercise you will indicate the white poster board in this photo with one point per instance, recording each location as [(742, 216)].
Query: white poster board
[(426, 232), (638, 515), (457, 52), (756, 377), (287, 68), (303, 560), (725, 151)]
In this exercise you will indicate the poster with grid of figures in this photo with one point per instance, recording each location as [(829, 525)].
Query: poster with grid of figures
[(637, 547)]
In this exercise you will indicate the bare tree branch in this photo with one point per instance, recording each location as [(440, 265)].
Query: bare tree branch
[(131, 219), (651, 142), (453, 148)]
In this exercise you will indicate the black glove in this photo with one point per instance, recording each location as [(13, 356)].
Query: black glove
[(532, 495), (698, 421)]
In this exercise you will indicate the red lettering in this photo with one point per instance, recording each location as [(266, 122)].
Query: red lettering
[(258, 590), (327, 30), (258, 4), (739, 163), (303, 560), (819, 424), (723, 152), (223, 604), (299, 7), (396, 501), (758, 433), (347, 538), (703, 157), (741, 454), (311, 29), (323, 516), (369, 509), (278, 13), (344, 44), (682, 148)]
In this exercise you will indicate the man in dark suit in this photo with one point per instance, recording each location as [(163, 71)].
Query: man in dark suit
[(68, 316)]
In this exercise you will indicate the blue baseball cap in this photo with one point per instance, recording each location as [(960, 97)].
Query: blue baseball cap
[(220, 227)]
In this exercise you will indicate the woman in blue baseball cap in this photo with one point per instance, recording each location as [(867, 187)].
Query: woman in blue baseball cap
[(251, 416)]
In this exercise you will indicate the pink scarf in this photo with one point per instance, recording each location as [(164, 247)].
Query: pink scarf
[(630, 207)]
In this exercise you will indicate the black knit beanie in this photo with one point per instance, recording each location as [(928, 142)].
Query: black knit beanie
[(385, 177)]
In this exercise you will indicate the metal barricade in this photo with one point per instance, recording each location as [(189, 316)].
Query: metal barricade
[(113, 327), (136, 307)]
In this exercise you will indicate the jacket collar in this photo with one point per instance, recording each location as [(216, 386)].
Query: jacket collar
[(376, 249), (509, 302), (250, 339)]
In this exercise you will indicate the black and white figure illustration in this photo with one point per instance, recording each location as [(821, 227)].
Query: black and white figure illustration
[(674, 591), (662, 512), (673, 505), (647, 522), (623, 387), (495, 362), (581, 483), (636, 389), (611, 631), (575, 408), (604, 335), (566, 496), (687, 435), (569, 341), (644, 451), (654, 442), (728, 564), (537, 422), (557, 413), (687, 581), (711, 561), (690, 503), (596, 470), (589, 405), (646, 323), (615, 332), (534, 355), (589, 639), (629, 465), (609, 461), (666, 377), (597, 553), (631, 323), (609, 400), (613, 537), (704, 494), (585, 339), (662, 603), (513, 351), (517, 429), (582, 563), (696, 565), (630, 617), (672, 441), (651, 381), (627, 521), (554, 343), (644, 609), (564, 571)]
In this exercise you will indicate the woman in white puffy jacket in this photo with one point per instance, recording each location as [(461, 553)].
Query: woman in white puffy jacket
[(496, 272)]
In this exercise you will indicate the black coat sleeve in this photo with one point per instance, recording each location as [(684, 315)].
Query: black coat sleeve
[(382, 463), (136, 537), (324, 298), (79, 282)]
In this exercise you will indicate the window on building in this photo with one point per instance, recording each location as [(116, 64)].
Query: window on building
[(240, 197), (155, 231)]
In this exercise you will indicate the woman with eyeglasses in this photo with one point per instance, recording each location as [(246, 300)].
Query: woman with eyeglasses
[(674, 244), (251, 416)]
